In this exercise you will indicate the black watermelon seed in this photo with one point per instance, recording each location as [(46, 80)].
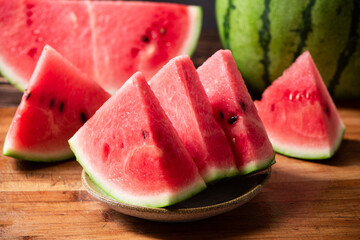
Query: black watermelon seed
[(144, 134), (145, 39), (232, 120), (222, 115), (327, 110), (83, 117), (61, 108), (52, 103)]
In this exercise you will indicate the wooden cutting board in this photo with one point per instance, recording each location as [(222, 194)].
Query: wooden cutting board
[(303, 199)]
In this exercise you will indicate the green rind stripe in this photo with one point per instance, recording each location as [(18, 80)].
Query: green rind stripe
[(306, 28), (349, 49), (265, 39), (226, 24)]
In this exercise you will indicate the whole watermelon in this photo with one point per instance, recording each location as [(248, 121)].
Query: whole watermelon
[(266, 36)]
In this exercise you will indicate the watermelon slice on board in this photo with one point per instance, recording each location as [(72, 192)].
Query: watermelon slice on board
[(130, 149), (234, 109), (107, 40), (299, 115), (179, 90), (58, 101)]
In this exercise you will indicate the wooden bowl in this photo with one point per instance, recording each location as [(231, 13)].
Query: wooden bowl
[(220, 197)]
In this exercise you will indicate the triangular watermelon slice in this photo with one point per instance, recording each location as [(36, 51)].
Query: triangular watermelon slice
[(179, 90), (130, 149), (299, 114), (58, 101), (107, 40), (234, 109)]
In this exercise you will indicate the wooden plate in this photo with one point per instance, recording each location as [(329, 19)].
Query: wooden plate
[(217, 198)]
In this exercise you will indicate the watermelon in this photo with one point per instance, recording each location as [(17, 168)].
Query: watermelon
[(299, 114), (130, 149), (266, 36), (235, 111), (179, 90), (107, 40), (57, 102)]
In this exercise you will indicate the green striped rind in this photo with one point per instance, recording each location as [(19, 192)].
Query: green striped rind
[(328, 29), (309, 154), (124, 197)]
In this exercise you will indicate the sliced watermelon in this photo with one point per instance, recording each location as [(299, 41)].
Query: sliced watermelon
[(107, 40), (179, 90), (234, 109), (130, 149), (58, 101), (299, 115)]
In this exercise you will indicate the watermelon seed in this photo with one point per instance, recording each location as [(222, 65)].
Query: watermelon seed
[(243, 106), (232, 120), (52, 102), (29, 22), (27, 94), (61, 108), (83, 117), (145, 39), (222, 115), (327, 110), (145, 134)]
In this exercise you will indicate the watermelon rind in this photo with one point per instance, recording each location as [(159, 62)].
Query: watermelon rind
[(216, 174), (255, 166), (196, 16), (306, 153), (157, 201), (12, 77)]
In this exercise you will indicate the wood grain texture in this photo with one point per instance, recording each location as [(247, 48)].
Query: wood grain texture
[(302, 200)]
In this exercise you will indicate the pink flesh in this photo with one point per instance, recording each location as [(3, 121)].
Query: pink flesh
[(131, 36), (132, 145), (234, 110), (58, 100), (29, 25), (297, 109), (179, 90), (107, 40)]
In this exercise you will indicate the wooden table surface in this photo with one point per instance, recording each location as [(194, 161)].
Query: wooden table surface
[(302, 200)]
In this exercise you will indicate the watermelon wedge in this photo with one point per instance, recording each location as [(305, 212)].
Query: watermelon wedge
[(130, 149), (107, 40), (179, 90), (234, 109), (299, 115), (58, 101)]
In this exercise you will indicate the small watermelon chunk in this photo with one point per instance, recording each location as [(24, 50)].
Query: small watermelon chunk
[(130, 149), (299, 115), (58, 101), (179, 90), (234, 109)]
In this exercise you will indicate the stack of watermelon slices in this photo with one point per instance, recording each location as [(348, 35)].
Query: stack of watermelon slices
[(150, 144), (155, 145)]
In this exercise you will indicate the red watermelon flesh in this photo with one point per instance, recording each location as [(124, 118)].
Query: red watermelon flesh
[(179, 90), (299, 115), (27, 26), (107, 40), (58, 101), (234, 109), (130, 149), (147, 36)]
